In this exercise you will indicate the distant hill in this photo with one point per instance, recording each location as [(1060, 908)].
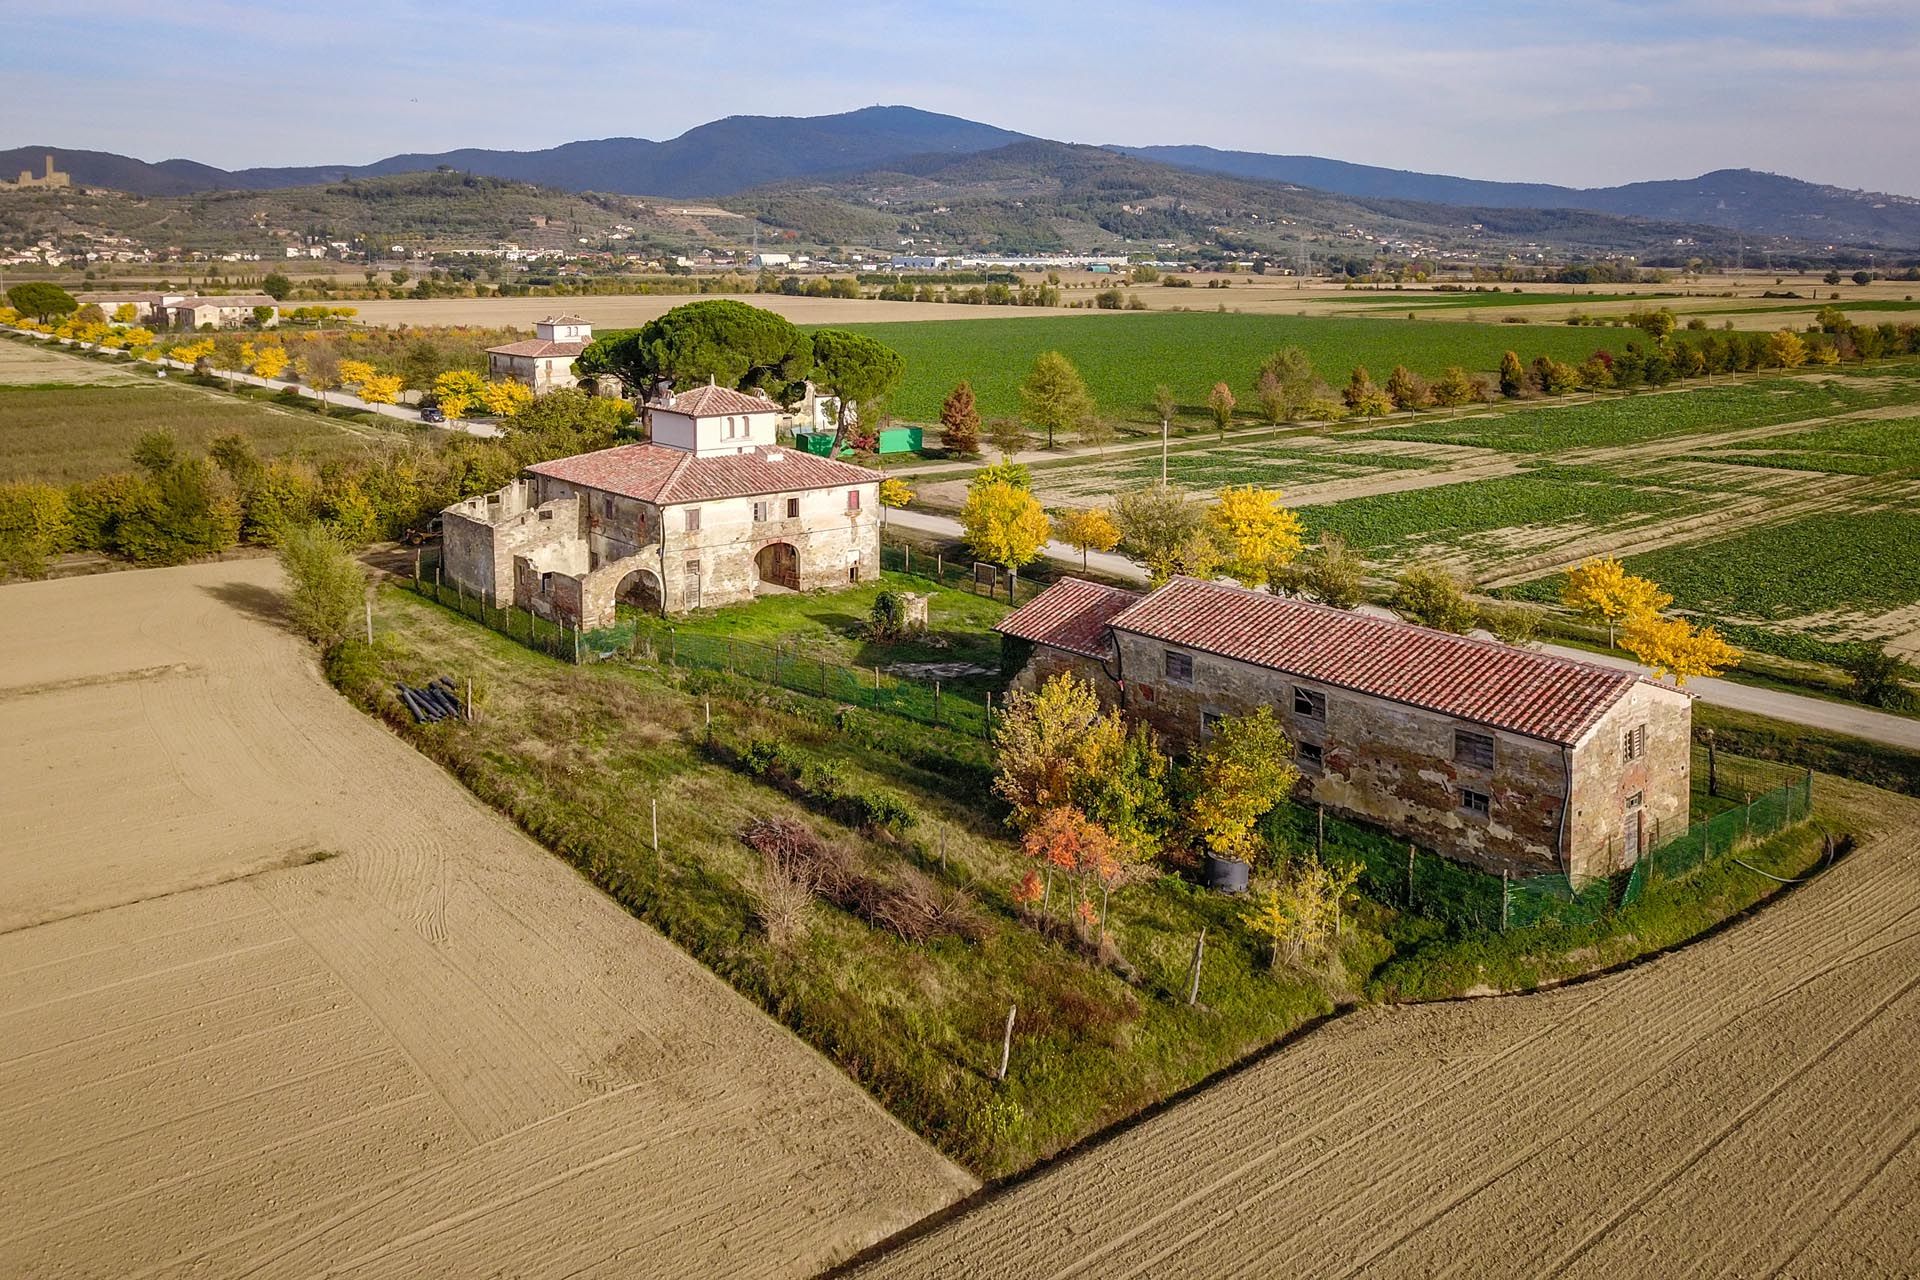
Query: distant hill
[(713, 159), (1035, 195), (1738, 199)]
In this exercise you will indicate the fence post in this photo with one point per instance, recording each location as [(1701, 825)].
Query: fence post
[(656, 826), (1320, 835), (939, 566), (907, 547), (1409, 877), (936, 704), (989, 713), (1193, 978), (1506, 897), (673, 646), (1006, 1042)]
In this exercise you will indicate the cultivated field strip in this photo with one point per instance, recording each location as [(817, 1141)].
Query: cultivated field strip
[(279, 998), (1707, 1113)]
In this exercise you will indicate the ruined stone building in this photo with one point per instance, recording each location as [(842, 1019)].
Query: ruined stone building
[(710, 511), (1504, 757)]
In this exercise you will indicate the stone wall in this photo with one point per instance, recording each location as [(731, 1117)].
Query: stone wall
[(1381, 761), (481, 536), (833, 548), (1606, 784)]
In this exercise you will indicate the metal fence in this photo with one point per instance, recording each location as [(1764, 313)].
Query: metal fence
[(1470, 899), (977, 576), (541, 634)]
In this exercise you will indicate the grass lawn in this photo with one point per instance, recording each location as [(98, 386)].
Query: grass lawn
[(1123, 357), (70, 433)]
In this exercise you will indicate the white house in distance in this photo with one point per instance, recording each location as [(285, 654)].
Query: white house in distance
[(711, 510), (543, 362), (148, 308)]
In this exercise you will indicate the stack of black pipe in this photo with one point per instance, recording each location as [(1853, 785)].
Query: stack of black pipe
[(437, 700)]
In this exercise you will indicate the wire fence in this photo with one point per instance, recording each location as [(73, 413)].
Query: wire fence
[(1473, 900), (977, 576), (541, 634)]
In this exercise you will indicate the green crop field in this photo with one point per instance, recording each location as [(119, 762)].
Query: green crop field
[(1398, 524), (1270, 466), (1691, 410), (64, 434), (1877, 446), (1124, 356)]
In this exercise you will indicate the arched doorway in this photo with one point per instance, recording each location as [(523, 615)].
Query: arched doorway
[(639, 590), (779, 564)]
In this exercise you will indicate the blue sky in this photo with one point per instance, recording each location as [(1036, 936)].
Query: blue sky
[(1590, 93)]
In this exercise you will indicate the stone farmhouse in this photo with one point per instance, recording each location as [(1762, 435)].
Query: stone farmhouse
[(711, 510), (148, 308), (230, 311), (543, 362), (1508, 758)]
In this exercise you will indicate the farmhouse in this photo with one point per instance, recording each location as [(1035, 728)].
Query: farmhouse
[(147, 307), (1504, 757), (545, 361), (227, 312), (710, 510)]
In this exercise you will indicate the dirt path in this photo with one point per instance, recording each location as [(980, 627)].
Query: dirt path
[(1746, 1106), (432, 1051)]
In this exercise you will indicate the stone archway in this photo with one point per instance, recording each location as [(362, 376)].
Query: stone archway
[(779, 565), (640, 589)]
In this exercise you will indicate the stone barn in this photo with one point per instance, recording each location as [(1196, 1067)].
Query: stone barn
[(709, 511), (1508, 758)]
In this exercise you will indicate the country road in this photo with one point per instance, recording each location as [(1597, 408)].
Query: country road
[(1814, 713)]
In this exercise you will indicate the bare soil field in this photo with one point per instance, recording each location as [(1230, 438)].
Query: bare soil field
[(280, 998), (22, 365), (1745, 1106), (625, 312)]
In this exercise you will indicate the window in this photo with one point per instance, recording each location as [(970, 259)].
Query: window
[(546, 515), (693, 519), (853, 499), (1179, 668), (1312, 756), (1637, 799), (1634, 745), (793, 508), (606, 507), (1478, 803), (1209, 721), (762, 512), (1310, 704), (1473, 749)]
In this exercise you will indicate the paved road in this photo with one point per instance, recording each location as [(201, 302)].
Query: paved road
[(1814, 713)]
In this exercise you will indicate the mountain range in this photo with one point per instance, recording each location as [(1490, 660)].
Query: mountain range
[(775, 161)]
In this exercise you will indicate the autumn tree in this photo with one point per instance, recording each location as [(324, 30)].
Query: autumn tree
[(1047, 742), (1407, 389), (1165, 530), (1600, 589), (1164, 405), (895, 492), (1786, 349), (1220, 404), (1330, 572), (267, 361), (1432, 595), (1513, 376), (1363, 396), (504, 397), (458, 390), (1004, 524), (1285, 385), (1125, 784), (1086, 529), (1054, 397), (1243, 771), (319, 366), (35, 523), (1254, 533), (1675, 647), (125, 313), (1065, 839), (1008, 435), (960, 422), (325, 585)]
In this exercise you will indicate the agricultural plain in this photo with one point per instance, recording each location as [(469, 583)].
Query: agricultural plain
[(279, 998), (1744, 1107)]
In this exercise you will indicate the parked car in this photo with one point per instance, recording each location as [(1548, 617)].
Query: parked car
[(431, 413)]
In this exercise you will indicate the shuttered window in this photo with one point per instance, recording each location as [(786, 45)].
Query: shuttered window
[(1473, 749)]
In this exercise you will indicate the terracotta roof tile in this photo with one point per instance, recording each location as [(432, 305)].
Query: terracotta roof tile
[(1536, 694), (661, 475), (1072, 614), (538, 347), (710, 401)]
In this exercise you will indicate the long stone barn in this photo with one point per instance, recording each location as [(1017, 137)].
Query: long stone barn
[(1503, 757), (709, 511)]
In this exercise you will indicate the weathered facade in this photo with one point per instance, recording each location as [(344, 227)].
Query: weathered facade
[(1507, 758), (710, 512)]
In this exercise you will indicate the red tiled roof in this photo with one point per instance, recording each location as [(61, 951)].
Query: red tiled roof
[(710, 401), (538, 347), (661, 475), (1542, 696), (1072, 614)]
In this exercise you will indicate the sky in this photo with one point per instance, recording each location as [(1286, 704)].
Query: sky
[(1584, 94)]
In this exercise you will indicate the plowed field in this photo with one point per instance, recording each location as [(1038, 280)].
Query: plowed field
[(279, 998), (1745, 1106)]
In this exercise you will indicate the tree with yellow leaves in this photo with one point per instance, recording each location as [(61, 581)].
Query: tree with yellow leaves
[(1601, 590), (381, 388), (1786, 349), (504, 397), (1675, 647), (125, 313), (268, 361), (895, 492), (458, 390), (1004, 524), (1087, 529), (1243, 771), (1049, 741), (192, 352), (1255, 534), (354, 373)]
